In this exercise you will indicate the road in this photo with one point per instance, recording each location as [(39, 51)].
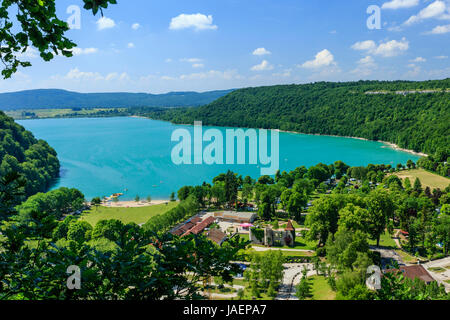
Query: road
[(440, 277), (292, 276)]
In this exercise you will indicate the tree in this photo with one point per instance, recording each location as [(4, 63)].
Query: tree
[(36, 24), (149, 198), (296, 203), (11, 188), (407, 183), (79, 231), (184, 192), (410, 164), (344, 248), (303, 289), (381, 208), (266, 180), (265, 272), (417, 186), (172, 196), (323, 217), (96, 202), (265, 208), (354, 218), (137, 198), (442, 231)]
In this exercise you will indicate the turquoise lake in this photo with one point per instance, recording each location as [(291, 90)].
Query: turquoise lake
[(102, 156)]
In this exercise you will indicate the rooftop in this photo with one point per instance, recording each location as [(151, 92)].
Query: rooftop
[(217, 236), (412, 272)]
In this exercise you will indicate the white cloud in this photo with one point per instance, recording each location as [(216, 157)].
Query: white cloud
[(385, 49), (263, 66), (441, 57), (130, 45), (191, 60), (105, 23), (392, 48), (400, 4), (135, 26), (322, 59), (440, 29), (364, 45), (286, 73), (168, 60), (436, 9), (261, 52), (76, 74), (196, 21), (198, 65), (225, 75), (79, 51), (367, 61), (418, 59), (365, 66)]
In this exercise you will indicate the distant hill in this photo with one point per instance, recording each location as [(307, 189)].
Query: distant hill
[(57, 99), (413, 115)]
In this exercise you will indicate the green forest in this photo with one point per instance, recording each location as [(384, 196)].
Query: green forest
[(374, 110), (21, 153)]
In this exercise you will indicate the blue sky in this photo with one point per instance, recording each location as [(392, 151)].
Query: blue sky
[(202, 45)]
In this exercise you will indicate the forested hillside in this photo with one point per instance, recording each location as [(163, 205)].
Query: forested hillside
[(55, 99), (21, 152), (418, 120)]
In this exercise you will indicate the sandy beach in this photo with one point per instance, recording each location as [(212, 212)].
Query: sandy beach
[(133, 204)]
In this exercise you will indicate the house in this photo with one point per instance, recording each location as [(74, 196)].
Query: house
[(196, 220), (413, 272), (236, 217), (197, 229), (217, 236)]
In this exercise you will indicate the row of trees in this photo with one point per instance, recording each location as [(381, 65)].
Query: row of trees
[(163, 222), (438, 162)]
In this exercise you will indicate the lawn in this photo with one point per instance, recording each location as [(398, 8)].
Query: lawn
[(437, 269), (385, 241), (427, 179), (138, 215), (320, 289), (296, 253), (406, 257)]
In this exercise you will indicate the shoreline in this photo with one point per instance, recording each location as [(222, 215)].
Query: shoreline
[(386, 143), (132, 204)]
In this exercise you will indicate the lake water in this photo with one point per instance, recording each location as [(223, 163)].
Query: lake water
[(102, 156)]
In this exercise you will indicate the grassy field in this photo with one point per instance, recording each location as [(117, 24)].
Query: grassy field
[(126, 215), (320, 289), (385, 241), (52, 113), (427, 179)]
